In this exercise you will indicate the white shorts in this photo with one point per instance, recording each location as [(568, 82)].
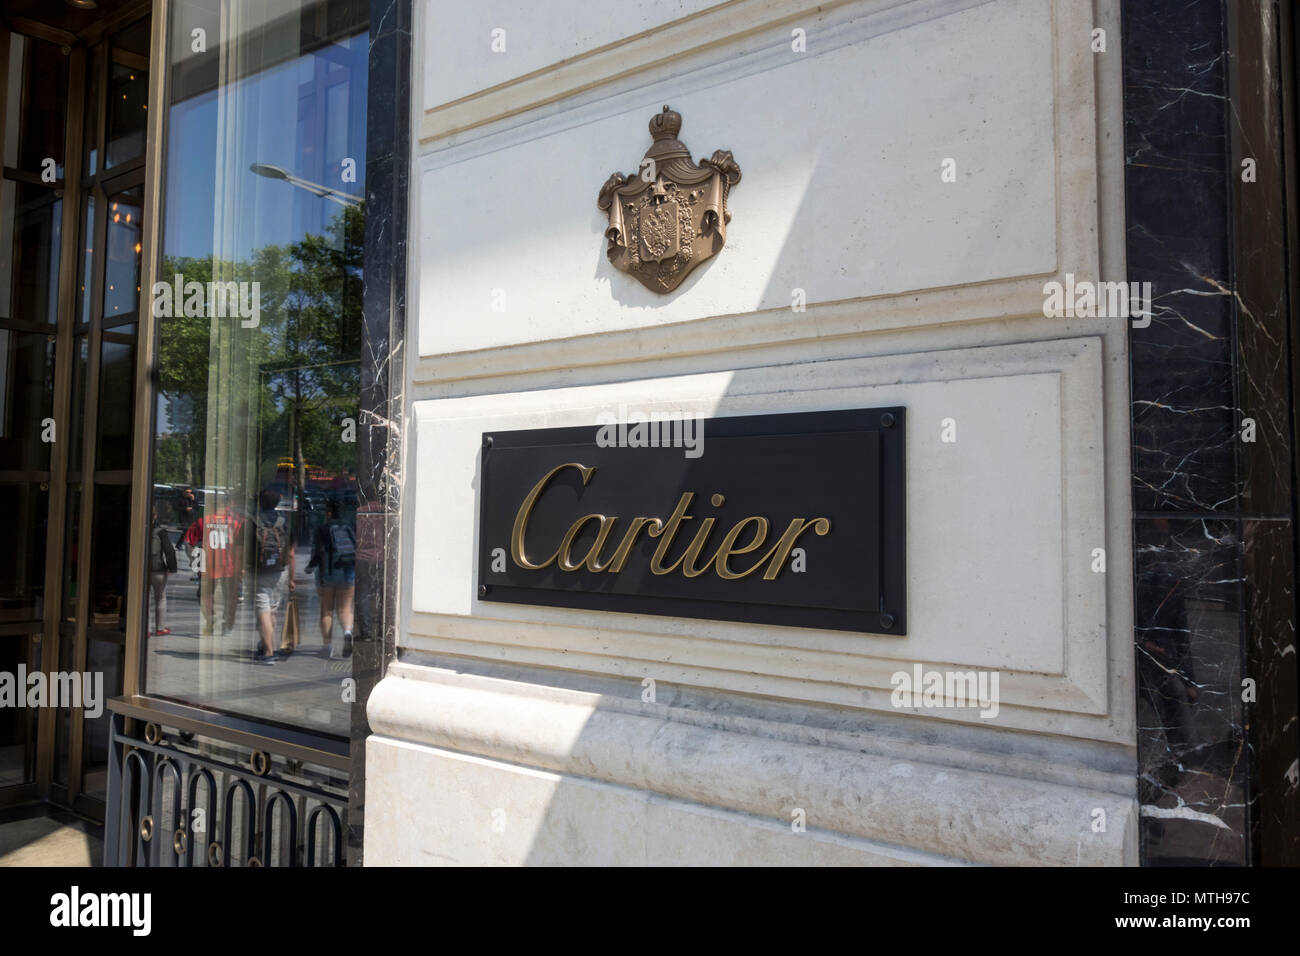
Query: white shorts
[(270, 591)]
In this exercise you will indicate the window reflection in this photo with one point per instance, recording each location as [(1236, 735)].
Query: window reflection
[(71, 555), (109, 542), (37, 103), (31, 218), (128, 104), (26, 400), (87, 259), (122, 265), (116, 401), (22, 559), (18, 724), (252, 541), (102, 657)]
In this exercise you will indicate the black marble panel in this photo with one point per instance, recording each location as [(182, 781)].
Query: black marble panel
[(382, 372), (1193, 769), (1213, 435), (1269, 566), (1176, 195)]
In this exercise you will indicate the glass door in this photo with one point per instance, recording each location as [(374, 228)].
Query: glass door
[(33, 103), (73, 108), (92, 624)]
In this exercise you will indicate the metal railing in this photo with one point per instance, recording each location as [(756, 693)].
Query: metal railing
[(188, 800)]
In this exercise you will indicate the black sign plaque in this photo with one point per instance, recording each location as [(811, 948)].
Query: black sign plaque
[(796, 520)]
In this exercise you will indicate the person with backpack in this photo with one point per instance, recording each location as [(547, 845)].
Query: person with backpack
[(162, 562), (334, 556), (273, 556), (185, 513)]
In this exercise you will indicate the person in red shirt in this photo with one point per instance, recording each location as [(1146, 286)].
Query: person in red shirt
[(219, 539)]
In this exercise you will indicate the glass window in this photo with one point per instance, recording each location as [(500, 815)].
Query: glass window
[(258, 322), (102, 657), (26, 401), (22, 559), (116, 401), (122, 265), (128, 102), (77, 407), (38, 102), (109, 544), (134, 38), (71, 538), (18, 724), (31, 227), (87, 259)]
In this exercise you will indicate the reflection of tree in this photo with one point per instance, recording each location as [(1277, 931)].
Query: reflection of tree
[(183, 345), (306, 345), (313, 338)]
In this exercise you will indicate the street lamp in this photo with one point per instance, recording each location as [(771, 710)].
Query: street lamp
[(276, 172)]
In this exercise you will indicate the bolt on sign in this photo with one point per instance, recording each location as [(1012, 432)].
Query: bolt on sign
[(796, 520)]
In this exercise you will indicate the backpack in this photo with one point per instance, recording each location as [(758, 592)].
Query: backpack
[(342, 546), (272, 542), (162, 556)]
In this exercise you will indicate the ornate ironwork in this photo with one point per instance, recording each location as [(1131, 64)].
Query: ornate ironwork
[(219, 812)]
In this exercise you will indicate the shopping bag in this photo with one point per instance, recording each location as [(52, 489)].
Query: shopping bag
[(289, 630)]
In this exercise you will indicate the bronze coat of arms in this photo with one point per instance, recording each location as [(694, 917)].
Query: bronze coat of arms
[(672, 215)]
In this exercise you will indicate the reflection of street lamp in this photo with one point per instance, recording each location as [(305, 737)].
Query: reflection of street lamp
[(276, 172)]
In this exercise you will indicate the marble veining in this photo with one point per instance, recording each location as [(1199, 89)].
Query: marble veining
[(382, 374), (1214, 628)]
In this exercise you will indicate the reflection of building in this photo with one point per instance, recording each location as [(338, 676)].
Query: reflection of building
[(1082, 513)]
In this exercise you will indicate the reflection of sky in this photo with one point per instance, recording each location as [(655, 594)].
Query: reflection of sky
[(123, 260), (304, 115)]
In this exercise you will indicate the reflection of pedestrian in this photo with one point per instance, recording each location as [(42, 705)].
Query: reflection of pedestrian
[(162, 562), (219, 539), (186, 508), (334, 556), (274, 558)]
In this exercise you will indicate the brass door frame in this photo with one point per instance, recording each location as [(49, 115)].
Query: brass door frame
[(91, 479), (145, 358), (75, 190), (47, 629), (106, 183)]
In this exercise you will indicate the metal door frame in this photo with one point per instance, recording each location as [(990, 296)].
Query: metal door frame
[(78, 186)]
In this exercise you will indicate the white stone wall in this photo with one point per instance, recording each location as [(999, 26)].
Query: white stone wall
[(513, 734)]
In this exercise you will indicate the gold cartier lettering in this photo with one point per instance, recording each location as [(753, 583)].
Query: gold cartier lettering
[(526, 509), (666, 531), (692, 554), (591, 561), (652, 525), (727, 548), (781, 550)]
